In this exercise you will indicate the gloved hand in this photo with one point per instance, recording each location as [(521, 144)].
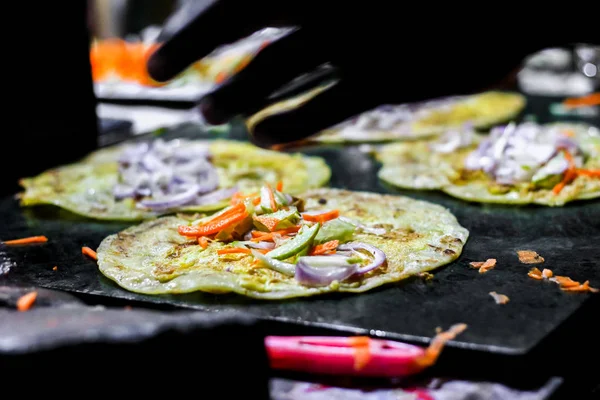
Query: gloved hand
[(382, 54)]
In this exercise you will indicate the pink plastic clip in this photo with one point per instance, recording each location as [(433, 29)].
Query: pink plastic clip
[(341, 356)]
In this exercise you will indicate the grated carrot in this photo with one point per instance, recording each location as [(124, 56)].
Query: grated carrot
[(27, 240), (584, 287), (89, 252), (535, 273), (239, 250), (228, 218), (26, 301), (592, 173), (234, 250), (529, 257), (322, 218), (325, 248), (263, 236), (592, 99), (437, 344), (565, 281), (484, 266)]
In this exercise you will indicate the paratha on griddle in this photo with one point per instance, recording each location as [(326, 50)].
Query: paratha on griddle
[(517, 164), (407, 122), (147, 179), (329, 240), (427, 119)]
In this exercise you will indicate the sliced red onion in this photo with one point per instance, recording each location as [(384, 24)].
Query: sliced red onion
[(477, 159), (168, 172), (447, 144), (523, 153), (150, 162), (209, 182), (248, 235), (500, 145), (121, 191), (364, 228), (453, 140), (541, 153), (143, 191), (171, 201), (308, 275), (215, 197), (379, 256), (333, 260), (133, 153)]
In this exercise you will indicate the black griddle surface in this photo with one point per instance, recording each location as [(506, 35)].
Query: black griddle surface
[(567, 237)]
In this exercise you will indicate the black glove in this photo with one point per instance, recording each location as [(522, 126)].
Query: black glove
[(382, 53)]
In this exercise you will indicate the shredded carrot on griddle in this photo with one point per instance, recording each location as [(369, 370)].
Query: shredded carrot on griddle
[(547, 273), (535, 273), (279, 186), (27, 240), (529, 257), (437, 344), (584, 287), (490, 263), (89, 252), (26, 301), (484, 266), (569, 285), (565, 281)]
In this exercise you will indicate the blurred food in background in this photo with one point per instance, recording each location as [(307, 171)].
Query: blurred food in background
[(562, 72), (119, 66), (127, 32)]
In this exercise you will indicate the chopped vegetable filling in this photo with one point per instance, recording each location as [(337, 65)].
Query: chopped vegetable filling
[(316, 248)]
